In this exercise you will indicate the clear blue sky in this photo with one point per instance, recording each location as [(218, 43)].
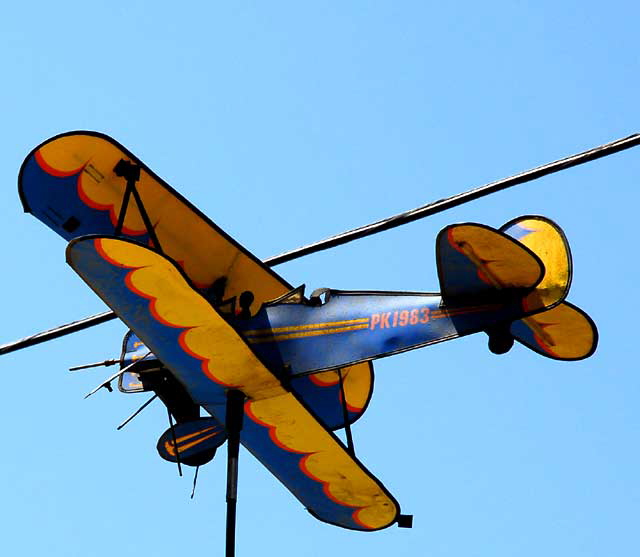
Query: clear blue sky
[(286, 124)]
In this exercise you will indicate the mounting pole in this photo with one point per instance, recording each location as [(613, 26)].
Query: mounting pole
[(233, 424)]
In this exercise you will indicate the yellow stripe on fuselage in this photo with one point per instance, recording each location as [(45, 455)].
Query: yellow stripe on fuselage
[(276, 334), (306, 333), (291, 328), (455, 312)]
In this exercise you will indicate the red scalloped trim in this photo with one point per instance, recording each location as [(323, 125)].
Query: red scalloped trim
[(152, 308)]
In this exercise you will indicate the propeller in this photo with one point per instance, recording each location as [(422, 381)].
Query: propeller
[(107, 382), (370, 229)]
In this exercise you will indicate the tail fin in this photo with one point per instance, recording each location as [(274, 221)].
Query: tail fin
[(562, 331), (528, 259), (546, 239)]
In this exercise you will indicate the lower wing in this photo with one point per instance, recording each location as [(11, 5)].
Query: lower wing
[(155, 299)]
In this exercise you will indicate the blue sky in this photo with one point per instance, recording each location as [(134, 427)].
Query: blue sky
[(286, 124)]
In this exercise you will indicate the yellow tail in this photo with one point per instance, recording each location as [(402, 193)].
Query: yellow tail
[(546, 239), (561, 330)]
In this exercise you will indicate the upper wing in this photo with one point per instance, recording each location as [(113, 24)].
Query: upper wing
[(69, 183), (152, 295)]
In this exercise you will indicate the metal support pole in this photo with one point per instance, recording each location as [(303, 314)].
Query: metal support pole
[(233, 424)]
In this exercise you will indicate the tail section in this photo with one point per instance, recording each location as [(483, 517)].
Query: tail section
[(561, 331), (545, 238), (478, 264), (564, 332), (528, 262)]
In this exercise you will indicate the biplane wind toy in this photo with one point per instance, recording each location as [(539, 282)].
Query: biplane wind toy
[(214, 328)]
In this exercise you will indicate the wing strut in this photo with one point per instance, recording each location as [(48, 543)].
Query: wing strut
[(345, 415), (137, 412), (131, 173), (233, 422), (362, 231), (175, 442)]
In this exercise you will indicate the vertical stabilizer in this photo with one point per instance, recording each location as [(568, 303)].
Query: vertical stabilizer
[(562, 331), (546, 239)]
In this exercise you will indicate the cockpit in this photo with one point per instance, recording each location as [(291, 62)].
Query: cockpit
[(319, 297)]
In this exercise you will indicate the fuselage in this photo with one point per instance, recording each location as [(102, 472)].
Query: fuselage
[(352, 327), (298, 338)]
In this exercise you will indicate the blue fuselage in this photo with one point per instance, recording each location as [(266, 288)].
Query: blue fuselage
[(300, 338), (357, 326)]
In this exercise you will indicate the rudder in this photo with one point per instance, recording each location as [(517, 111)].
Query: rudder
[(547, 240)]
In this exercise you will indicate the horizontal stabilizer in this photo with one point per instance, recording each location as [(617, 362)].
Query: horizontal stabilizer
[(477, 264), (562, 333)]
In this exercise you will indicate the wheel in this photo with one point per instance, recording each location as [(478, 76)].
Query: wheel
[(500, 340)]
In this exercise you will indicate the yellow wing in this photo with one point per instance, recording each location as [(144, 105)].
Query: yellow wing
[(151, 295), (69, 183)]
